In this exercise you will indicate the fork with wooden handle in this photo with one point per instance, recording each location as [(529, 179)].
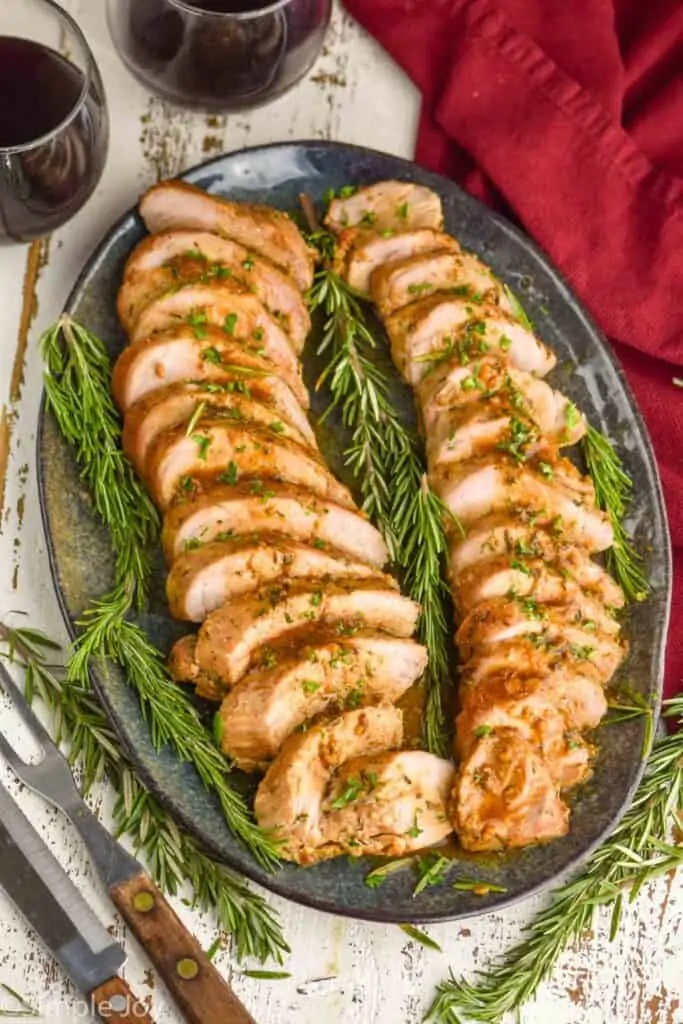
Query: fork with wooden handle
[(198, 989)]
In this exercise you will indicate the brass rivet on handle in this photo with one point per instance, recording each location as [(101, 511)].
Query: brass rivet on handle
[(187, 968), (143, 901)]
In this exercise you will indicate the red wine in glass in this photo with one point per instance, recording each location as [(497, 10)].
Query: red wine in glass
[(219, 55), (53, 135)]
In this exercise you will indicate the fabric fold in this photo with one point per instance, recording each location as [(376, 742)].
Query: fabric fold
[(546, 112)]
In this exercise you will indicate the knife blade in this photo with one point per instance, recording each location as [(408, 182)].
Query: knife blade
[(48, 899), (197, 987)]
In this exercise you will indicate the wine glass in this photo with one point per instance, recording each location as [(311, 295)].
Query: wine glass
[(219, 55), (54, 129)]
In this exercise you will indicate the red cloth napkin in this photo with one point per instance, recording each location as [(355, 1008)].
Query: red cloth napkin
[(567, 115)]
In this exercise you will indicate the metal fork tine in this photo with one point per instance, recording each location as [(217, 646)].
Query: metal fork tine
[(11, 756), (50, 776), (31, 720)]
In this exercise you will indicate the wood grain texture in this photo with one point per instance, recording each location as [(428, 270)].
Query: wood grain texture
[(114, 1002), (342, 972), (197, 987)]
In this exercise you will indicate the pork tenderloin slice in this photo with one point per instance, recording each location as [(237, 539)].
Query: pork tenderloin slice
[(184, 669), (503, 535), (388, 804), (271, 702), (583, 627), (264, 506), (528, 655), (504, 796), (289, 799), (570, 573), (386, 206), (179, 403), (399, 283), (360, 253), (188, 255), (177, 355), (478, 489), (241, 316), (202, 580), (175, 205), (491, 620), (439, 329), (549, 713), (229, 452), (525, 412), (229, 639)]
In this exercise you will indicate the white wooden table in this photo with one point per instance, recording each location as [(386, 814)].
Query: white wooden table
[(372, 973)]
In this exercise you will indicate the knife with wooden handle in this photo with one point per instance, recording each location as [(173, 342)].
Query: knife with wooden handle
[(197, 987), (43, 892)]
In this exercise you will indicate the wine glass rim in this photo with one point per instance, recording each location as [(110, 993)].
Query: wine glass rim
[(271, 8), (89, 59)]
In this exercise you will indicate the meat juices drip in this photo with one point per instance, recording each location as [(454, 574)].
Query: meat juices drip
[(535, 613), (304, 640)]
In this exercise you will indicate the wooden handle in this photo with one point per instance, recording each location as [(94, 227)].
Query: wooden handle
[(115, 1002), (198, 988)]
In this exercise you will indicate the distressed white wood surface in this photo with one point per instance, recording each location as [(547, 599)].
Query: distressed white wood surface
[(343, 972)]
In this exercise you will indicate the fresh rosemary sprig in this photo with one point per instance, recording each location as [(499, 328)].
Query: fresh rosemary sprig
[(174, 856), (638, 851), (78, 394), (613, 488), (384, 458), (78, 389)]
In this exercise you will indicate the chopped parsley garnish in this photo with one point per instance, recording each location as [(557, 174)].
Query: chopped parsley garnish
[(478, 888), (483, 730), (248, 264), (414, 831), (402, 211), (310, 686), (354, 788), (203, 442), (230, 323), (432, 870), (380, 874), (257, 488), (521, 436), (277, 427), (532, 609), (546, 470), (212, 355), (198, 320), (230, 475), (257, 334), (420, 288), (520, 566), (268, 658), (369, 219), (571, 415), (346, 191), (505, 344)]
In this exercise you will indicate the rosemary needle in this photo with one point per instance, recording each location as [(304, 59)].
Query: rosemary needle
[(612, 490), (419, 936), (78, 383), (384, 458), (174, 857), (637, 852)]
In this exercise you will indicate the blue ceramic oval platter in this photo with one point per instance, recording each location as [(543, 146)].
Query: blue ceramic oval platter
[(82, 563)]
